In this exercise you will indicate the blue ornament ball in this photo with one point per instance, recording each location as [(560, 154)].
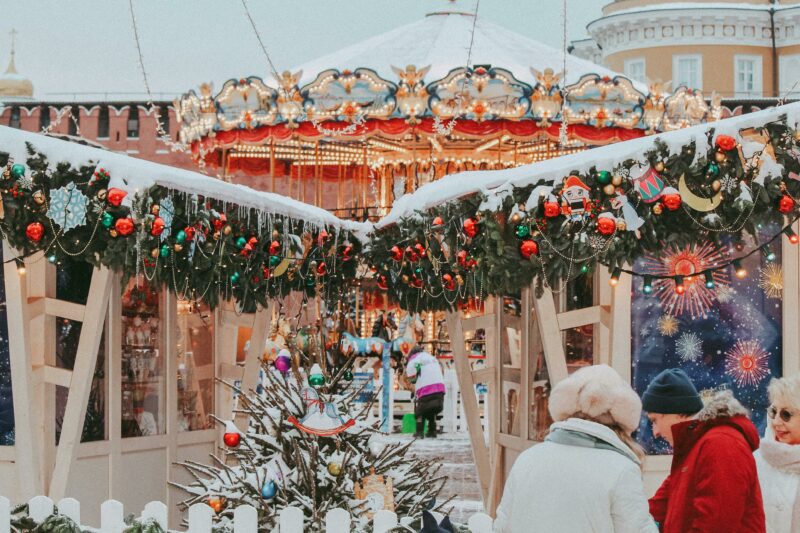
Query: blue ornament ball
[(269, 490)]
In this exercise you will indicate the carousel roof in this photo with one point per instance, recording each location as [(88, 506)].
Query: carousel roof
[(441, 40)]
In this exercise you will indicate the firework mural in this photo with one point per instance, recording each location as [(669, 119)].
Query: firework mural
[(688, 262), (747, 363), (728, 336)]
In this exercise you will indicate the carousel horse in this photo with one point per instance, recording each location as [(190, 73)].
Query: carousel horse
[(406, 338), (349, 345), (276, 339)]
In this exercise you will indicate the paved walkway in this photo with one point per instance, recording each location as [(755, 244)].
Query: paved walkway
[(455, 453)]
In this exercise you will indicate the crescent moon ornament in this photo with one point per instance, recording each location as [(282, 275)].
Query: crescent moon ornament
[(698, 203)]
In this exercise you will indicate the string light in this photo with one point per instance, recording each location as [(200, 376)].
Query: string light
[(709, 275), (20, 267), (793, 237), (647, 287), (740, 271), (615, 277), (769, 255), (680, 288)]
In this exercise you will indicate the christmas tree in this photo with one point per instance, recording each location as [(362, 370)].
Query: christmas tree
[(309, 445)]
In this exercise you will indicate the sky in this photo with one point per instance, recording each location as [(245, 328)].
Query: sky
[(88, 46)]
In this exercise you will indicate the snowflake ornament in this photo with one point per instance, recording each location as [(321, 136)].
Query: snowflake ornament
[(689, 347), (167, 213), (68, 207), (596, 242), (26, 181), (729, 183)]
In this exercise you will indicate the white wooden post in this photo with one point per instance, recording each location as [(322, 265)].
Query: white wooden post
[(252, 362), (245, 519), (71, 508), (201, 517), (157, 511), (480, 523), (291, 520), (112, 517), (39, 508), (384, 521), (337, 521), (5, 515)]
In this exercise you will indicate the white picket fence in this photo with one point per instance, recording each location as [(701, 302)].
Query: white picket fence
[(200, 517)]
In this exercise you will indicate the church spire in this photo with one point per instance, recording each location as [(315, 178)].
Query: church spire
[(12, 69)]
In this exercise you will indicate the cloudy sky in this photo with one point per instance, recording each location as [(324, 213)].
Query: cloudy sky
[(87, 46)]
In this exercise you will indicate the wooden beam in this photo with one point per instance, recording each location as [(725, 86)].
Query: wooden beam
[(116, 478), (27, 441), (252, 361), (790, 261), (620, 350), (579, 317), (81, 383), (483, 375), (470, 402), (55, 375), (551, 336)]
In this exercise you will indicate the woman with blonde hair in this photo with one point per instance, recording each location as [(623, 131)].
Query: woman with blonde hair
[(586, 476), (778, 457)]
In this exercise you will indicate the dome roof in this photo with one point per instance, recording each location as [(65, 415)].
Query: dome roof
[(441, 40), (14, 84)]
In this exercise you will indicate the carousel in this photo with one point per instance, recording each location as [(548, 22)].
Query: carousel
[(353, 130)]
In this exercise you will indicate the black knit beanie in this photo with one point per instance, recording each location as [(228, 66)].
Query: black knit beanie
[(672, 392)]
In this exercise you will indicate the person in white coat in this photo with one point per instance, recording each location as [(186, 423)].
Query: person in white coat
[(778, 457), (586, 476)]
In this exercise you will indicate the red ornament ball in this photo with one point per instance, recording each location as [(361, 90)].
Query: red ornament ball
[(124, 226), (322, 269), (448, 282), (411, 254), (438, 223), (382, 283), (461, 256), (274, 248), (158, 226), (470, 227), (785, 204), (528, 248), (189, 231), (416, 281), (672, 201), (115, 196), (726, 142), (420, 249), (606, 225), (232, 439), (219, 222), (551, 209), (397, 253), (34, 231)]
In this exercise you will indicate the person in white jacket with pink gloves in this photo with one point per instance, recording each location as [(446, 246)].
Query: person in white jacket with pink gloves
[(424, 371), (586, 475)]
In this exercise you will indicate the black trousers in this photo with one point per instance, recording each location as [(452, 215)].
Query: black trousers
[(426, 409)]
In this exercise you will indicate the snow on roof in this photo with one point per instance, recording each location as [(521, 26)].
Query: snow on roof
[(699, 5), (441, 40), (498, 183), (134, 175)]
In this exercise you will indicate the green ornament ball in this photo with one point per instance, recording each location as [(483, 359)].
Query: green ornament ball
[(108, 220), (522, 231), (316, 380), (604, 177), (17, 170), (181, 236), (274, 260), (713, 169), (240, 242), (310, 281), (347, 376), (52, 258), (235, 277), (165, 251)]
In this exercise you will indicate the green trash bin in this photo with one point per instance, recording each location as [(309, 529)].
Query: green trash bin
[(409, 423)]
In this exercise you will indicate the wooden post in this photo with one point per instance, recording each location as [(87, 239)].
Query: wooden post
[(790, 259), (258, 337), (620, 352), (81, 381), (470, 402), (272, 162), (114, 388), (551, 336), (28, 440)]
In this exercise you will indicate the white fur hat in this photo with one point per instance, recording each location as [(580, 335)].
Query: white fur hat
[(599, 393)]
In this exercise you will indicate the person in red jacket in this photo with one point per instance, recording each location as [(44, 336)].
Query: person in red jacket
[(713, 483)]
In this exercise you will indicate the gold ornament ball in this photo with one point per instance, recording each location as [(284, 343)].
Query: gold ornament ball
[(154, 253), (459, 279), (716, 185), (178, 247), (334, 468), (797, 135), (657, 209), (113, 233), (609, 189), (155, 208), (405, 278), (275, 235), (216, 235), (621, 226), (659, 166), (102, 194), (720, 157), (38, 197), (227, 230), (616, 181)]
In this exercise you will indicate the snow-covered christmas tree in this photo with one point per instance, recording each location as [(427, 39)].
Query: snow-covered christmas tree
[(310, 445)]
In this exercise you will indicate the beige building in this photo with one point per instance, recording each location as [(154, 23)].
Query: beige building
[(738, 49)]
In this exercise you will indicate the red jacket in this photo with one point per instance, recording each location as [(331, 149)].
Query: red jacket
[(713, 484)]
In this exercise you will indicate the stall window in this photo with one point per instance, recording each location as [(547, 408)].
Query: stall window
[(143, 385), (539, 396), (578, 342), (511, 362), (728, 336), (195, 356)]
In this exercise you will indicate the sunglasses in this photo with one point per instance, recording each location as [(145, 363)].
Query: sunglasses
[(785, 414)]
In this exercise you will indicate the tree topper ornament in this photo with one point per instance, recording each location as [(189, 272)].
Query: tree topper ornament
[(575, 198)]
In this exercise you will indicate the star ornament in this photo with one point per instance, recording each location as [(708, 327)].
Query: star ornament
[(67, 207)]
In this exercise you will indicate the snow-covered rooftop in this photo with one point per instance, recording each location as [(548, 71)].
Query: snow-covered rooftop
[(498, 183), (442, 40)]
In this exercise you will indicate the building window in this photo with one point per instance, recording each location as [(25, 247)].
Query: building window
[(74, 121), (103, 123), (163, 113), (133, 122), (789, 70), (687, 71), (634, 69), (747, 72), (14, 122), (44, 117)]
